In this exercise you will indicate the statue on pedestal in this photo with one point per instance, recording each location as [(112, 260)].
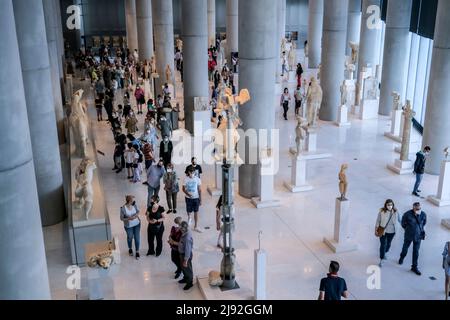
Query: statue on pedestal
[(283, 44), (292, 56), (409, 114), (153, 65), (168, 74), (78, 122), (396, 104), (355, 50), (350, 68), (84, 191), (343, 182), (300, 133), (344, 94), (314, 100), (179, 44)]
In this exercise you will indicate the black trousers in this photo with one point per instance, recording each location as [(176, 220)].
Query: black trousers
[(285, 109), (151, 235), (167, 158), (385, 243), (175, 256), (188, 272)]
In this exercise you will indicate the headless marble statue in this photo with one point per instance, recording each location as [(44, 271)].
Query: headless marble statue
[(343, 182), (314, 100), (168, 74), (84, 191), (78, 122), (300, 133)]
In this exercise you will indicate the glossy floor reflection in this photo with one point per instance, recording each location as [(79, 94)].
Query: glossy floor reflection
[(292, 233)]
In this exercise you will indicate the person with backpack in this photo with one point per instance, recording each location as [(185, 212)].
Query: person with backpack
[(419, 169), (386, 227), (446, 267)]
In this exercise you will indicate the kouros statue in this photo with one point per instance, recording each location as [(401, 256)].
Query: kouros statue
[(84, 192), (344, 93), (314, 100), (153, 65), (300, 133), (343, 182), (78, 122), (168, 74), (292, 57), (355, 50), (396, 104)]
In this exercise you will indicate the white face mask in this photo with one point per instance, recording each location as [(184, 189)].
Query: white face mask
[(169, 170), (389, 207)]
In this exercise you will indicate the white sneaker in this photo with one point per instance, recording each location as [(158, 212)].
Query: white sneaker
[(198, 230), (189, 221)]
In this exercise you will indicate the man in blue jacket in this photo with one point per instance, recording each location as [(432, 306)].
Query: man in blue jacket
[(419, 169), (413, 221)]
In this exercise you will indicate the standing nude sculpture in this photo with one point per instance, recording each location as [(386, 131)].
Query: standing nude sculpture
[(343, 182), (300, 133), (314, 100)]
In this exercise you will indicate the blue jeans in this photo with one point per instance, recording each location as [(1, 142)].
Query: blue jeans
[(419, 177), (416, 247), (150, 193), (134, 232), (385, 244)]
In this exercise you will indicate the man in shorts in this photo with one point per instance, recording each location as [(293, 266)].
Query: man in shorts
[(192, 190)]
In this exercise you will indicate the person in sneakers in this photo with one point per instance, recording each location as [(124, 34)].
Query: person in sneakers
[(192, 190), (171, 187), (129, 214), (386, 227), (333, 288), (185, 247), (413, 221), (174, 240), (155, 217), (419, 169)]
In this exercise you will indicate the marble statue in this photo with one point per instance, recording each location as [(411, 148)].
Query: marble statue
[(214, 279), (103, 258), (300, 133), (314, 101), (344, 93), (355, 50), (343, 183), (397, 104), (168, 74), (78, 122), (408, 114), (201, 104), (179, 44), (370, 88), (350, 68), (292, 57), (446, 152), (283, 44), (153, 65), (227, 106), (84, 192)]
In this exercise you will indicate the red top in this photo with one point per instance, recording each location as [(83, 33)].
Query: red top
[(175, 235)]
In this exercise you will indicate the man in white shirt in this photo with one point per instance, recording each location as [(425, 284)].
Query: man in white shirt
[(192, 190)]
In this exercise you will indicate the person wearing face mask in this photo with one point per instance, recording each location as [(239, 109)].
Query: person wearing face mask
[(154, 175), (419, 169), (386, 227), (171, 187), (165, 151), (174, 241), (155, 217), (413, 221), (192, 190), (194, 166), (129, 214), (185, 247)]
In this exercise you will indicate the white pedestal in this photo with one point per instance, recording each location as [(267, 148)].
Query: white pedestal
[(260, 274), (342, 120), (202, 122), (298, 178), (342, 239), (443, 194), (396, 123), (266, 199), (369, 109), (401, 167), (446, 223), (311, 152), (354, 110), (100, 283), (216, 189)]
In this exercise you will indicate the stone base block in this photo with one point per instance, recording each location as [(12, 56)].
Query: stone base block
[(439, 202), (265, 204), (401, 167), (296, 189), (393, 137), (341, 247), (369, 109), (319, 154), (215, 293), (213, 191), (342, 120)]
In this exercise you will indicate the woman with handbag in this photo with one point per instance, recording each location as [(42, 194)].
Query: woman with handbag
[(129, 214), (155, 217), (385, 227)]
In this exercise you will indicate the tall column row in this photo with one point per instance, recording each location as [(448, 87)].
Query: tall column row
[(354, 24), (131, 25), (232, 28), (144, 29), (315, 28), (212, 23), (23, 271)]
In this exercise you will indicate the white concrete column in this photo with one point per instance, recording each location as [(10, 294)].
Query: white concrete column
[(437, 118), (353, 24), (131, 25), (258, 51), (281, 33), (144, 29), (164, 40), (30, 25), (23, 270), (211, 23), (59, 40), (333, 56), (396, 53), (315, 28), (195, 47), (232, 29), (51, 31), (369, 50)]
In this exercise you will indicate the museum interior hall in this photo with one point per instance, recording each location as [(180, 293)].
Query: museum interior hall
[(302, 154)]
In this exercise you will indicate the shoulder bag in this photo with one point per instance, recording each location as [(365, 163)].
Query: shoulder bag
[(380, 229)]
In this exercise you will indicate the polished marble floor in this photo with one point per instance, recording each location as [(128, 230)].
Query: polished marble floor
[(292, 234)]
